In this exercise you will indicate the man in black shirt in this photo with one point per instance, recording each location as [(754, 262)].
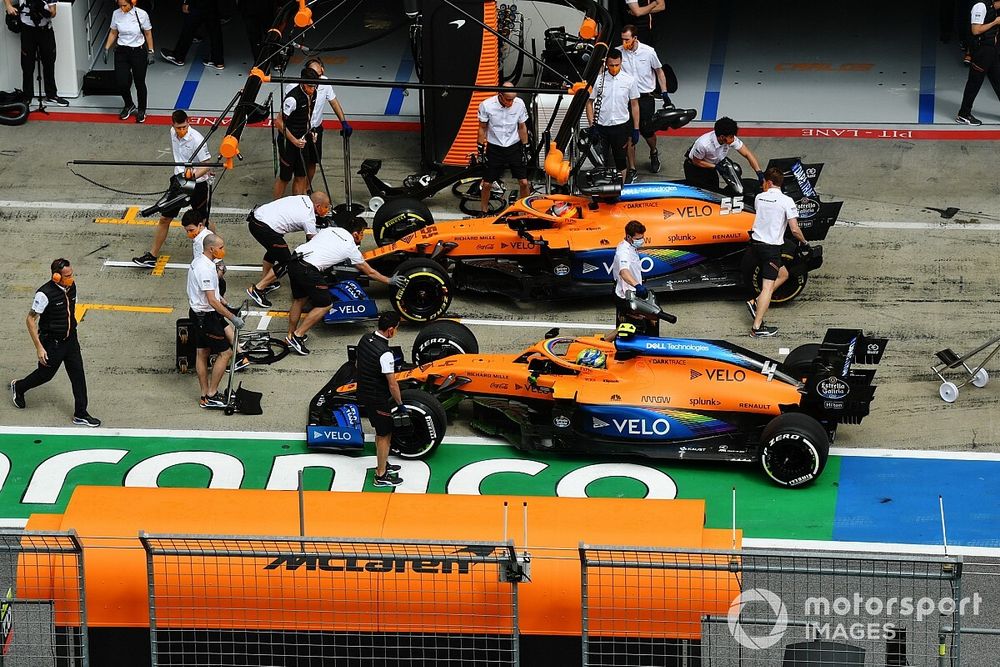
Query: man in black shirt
[(52, 327), (293, 135), (378, 391)]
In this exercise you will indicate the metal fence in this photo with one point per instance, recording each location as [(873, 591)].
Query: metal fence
[(313, 601), (795, 609), (42, 606)]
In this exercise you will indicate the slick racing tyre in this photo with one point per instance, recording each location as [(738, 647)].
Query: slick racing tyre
[(793, 450), (443, 339), (427, 294), (398, 217), (429, 422), (799, 361), (790, 289)]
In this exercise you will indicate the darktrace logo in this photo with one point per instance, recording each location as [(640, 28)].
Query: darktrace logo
[(458, 562)]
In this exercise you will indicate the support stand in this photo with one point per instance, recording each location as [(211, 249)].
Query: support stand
[(38, 84), (348, 210)]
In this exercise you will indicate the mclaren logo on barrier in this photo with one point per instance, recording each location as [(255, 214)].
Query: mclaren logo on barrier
[(449, 564)]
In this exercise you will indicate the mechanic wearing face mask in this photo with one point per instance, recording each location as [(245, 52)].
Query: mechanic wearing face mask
[(378, 391), (268, 225), (710, 149), (330, 246), (503, 141), (184, 142), (613, 110), (641, 61), (52, 326), (628, 278)]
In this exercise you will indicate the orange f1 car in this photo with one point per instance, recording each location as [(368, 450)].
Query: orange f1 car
[(548, 247), (626, 394)]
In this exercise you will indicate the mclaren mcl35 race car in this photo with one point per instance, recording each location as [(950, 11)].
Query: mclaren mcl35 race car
[(547, 247), (625, 394)]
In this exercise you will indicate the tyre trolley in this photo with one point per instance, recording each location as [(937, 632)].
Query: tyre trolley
[(977, 376)]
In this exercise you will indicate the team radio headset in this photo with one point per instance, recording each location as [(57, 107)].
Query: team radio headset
[(57, 277)]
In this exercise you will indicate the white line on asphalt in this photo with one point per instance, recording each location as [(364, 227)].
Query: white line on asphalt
[(940, 226), (175, 265), (867, 547), (264, 323)]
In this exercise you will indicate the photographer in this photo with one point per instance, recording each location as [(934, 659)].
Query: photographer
[(38, 41), (184, 141)]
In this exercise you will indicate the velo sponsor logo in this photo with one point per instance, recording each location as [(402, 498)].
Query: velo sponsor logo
[(750, 637), (642, 426)]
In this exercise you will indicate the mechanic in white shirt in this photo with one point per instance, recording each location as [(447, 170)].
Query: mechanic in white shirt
[(640, 61), (613, 110), (711, 148), (133, 34), (194, 227), (211, 317), (330, 246), (269, 223), (627, 273), (184, 142), (324, 95), (503, 141), (776, 212), (985, 27)]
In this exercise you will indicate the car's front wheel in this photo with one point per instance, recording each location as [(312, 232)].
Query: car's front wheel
[(793, 450), (443, 339), (428, 422), (427, 294)]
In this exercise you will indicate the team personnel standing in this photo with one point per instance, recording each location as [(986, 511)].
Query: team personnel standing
[(185, 143), (210, 315), (613, 110), (378, 391), (133, 34), (985, 58), (296, 117), (324, 95), (628, 278), (640, 61), (198, 13), (710, 149), (52, 326), (646, 12), (775, 212), (37, 40), (503, 139), (268, 225), (330, 246)]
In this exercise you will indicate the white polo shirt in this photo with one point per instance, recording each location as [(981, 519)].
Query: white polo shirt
[(198, 243), (184, 150), (324, 95), (640, 63), (708, 148), (502, 122), (626, 257), (329, 247), (130, 26), (615, 92), (774, 210), (289, 214), (202, 277)]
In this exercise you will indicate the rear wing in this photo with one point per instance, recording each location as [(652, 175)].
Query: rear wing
[(835, 387), (815, 216)]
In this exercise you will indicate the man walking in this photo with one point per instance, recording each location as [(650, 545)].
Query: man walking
[(640, 60), (378, 391), (985, 29), (613, 110)]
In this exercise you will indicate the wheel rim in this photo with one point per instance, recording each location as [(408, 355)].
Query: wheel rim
[(424, 298), (791, 462), (420, 440)]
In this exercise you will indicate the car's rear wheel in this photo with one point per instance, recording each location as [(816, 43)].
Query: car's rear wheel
[(428, 420), (790, 289), (396, 218), (793, 450), (443, 339), (427, 294), (799, 361)]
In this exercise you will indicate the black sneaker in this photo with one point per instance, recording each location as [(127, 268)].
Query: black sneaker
[(86, 420), (171, 58), (388, 479), (213, 65), (241, 362), (126, 111), (258, 297), (632, 175), (148, 260), (273, 286), (214, 402), (752, 307), (764, 332), (968, 119), (57, 101), (297, 344), (16, 398), (392, 467), (140, 116), (654, 162)]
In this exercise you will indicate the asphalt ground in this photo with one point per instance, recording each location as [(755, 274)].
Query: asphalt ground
[(893, 266)]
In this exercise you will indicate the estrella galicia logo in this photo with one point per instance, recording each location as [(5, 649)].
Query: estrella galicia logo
[(808, 207), (832, 388), (753, 597)]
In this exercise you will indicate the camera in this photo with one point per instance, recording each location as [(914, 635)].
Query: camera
[(38, 10)]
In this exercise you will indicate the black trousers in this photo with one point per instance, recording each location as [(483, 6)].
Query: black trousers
[(706, 178), (201, 13), (61, 351), (985, 65), (130, 66), (258, 17), (40, 42)]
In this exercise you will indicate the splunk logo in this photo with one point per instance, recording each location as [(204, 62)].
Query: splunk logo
[(451, 564)]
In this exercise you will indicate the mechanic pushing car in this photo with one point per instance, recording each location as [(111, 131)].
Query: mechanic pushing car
[(628, 278), (776, 212), (702, 160)]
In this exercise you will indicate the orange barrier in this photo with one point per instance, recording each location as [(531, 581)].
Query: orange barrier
[(116, 578)]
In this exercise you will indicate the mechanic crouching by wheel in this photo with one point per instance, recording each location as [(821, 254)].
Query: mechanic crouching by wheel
[(628, 278), (613, 110), (307, 273), (704, 156), (776, 212), (503, 139), (378, 391)]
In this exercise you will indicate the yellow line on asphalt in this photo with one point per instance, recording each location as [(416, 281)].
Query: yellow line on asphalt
[(131, 218), (83, 308), (161, 264)]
